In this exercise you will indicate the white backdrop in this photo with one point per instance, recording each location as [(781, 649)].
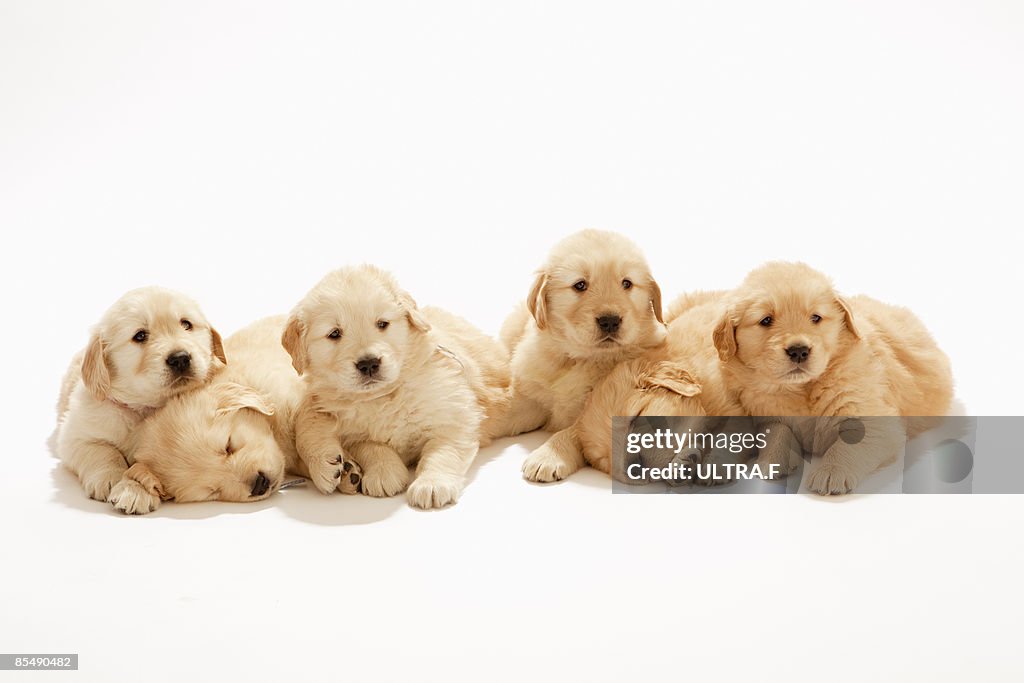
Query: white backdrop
[(237, 151)]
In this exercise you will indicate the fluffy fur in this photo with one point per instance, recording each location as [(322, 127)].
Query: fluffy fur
[(438, 389), (857, 357), (135, 361), (683, 377), (232, 440), (559, 348)]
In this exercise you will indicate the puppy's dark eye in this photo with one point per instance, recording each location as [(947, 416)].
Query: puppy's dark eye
[(627, 284), (383, 324), (580, 286), (186, 323), (229, 448), (766, 321), (815, 318), (334, 334), (140, 337)]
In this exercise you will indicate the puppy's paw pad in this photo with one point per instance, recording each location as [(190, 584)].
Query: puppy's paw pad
[(326, 472), (131, 498), (543, 465), (429, 491), (831, 479), (349, 477), (383, 480)]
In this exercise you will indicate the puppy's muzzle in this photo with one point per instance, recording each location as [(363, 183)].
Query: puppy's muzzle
[(260, 485), (180, 362), (609, 324), (798, 354), (368, 366)]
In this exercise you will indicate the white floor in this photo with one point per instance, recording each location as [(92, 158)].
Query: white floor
[(516, 582)]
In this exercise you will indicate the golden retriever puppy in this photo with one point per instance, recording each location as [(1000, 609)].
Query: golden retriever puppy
[(791, 346), (151, 345), (391, 385), (683, 377), (232, 440), (593, 305)]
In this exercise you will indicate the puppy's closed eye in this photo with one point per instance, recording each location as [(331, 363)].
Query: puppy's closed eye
[(229, 448)]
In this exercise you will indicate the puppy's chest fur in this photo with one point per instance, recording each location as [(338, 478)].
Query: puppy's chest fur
[(559, 385), (435, 402)]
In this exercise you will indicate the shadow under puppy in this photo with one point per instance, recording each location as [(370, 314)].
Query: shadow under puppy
[(151, 345), (681, 378), (391, 385), (791, 346), (233, 440), (593, 305)]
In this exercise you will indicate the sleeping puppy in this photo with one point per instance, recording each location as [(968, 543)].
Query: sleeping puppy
[(391, 385), (232, 440), (791, 346), (683, 377), (593, 305), (151, 345)]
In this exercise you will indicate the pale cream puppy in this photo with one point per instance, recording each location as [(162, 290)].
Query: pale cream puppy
[(791, 346), (682, 377), (593, 305), (232, 440), (151, 345), (391, 385)]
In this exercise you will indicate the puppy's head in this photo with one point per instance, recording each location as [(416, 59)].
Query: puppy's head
[(640, 390), (213, 444), (151, 344), (353, 332), (785, 323), (596, 295)]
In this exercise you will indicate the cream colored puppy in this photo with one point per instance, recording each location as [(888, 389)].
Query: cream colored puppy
[(232, 440), (151, 345), (593, 305), (683, 377), (391, 385), (791, 346)]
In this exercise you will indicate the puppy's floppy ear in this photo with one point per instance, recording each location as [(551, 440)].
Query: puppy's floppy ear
[(412, 311), (669, 376), (537, 300), (656, 300), (232, 397), (724, 336), (848, 316), (95, 373), (217, 346), (293, 339)]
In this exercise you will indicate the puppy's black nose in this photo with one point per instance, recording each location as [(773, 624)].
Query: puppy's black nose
[(260, 484), (179, 361), (798, 354), (368, 366), (609, 324)]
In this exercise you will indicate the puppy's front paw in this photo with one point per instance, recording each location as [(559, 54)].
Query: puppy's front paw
[(326, 472), (132, 498), (98, 485), (546, 465), (434, 491), (384, 478), (351, 476), (832, 479)]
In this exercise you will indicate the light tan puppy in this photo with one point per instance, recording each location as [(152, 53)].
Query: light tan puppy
[(683, 377), (593, 305), (391, 385), (232, 440), (151, 345), (791, 346)]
